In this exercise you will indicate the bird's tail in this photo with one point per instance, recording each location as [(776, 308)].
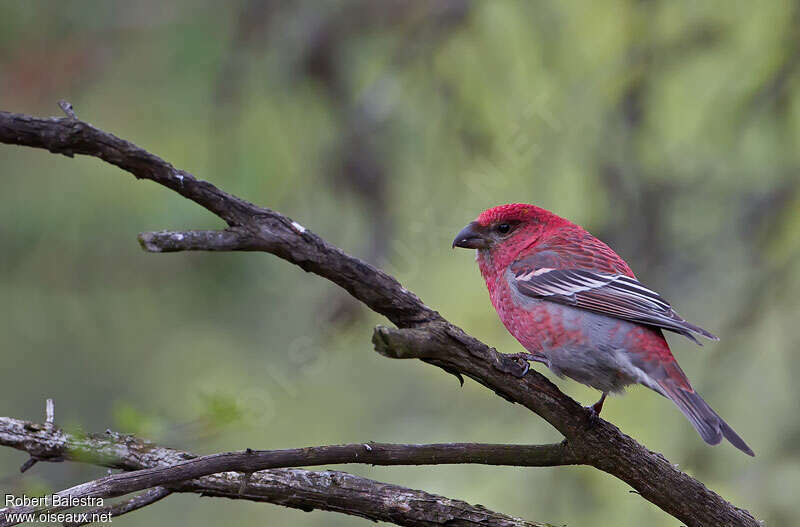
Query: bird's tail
[(706, 421)]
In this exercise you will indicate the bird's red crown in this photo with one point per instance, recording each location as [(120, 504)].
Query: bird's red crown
[(514, 212)]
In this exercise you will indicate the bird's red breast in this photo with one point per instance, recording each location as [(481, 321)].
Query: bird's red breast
[(575, 305), (543, 241)]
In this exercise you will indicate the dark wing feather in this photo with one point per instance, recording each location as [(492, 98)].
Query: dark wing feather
[(614, 295)]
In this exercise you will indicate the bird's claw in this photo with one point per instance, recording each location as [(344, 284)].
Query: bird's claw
[(522, 360), (525, 365)]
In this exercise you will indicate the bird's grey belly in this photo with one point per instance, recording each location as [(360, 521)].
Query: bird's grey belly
[(607, 370), (597, 355)]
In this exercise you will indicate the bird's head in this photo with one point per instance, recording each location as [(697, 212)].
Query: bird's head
[(500, 233)]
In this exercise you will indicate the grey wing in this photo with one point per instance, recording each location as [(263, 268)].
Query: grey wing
[(614, 295)]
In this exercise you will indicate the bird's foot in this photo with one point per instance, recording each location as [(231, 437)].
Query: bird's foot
[(594, 417), (526, 367), (522, 360), (595, 409)]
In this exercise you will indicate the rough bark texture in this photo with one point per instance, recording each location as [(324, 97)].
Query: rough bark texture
[(48, 443), (423, 333), (306, 490), (118, 509)]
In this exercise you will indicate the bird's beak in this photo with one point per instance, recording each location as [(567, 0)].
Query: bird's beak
[(471, 237)]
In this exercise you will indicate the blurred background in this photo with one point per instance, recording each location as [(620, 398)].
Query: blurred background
[(669, 129)]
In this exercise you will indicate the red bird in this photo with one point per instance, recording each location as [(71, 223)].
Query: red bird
[(577, 307)]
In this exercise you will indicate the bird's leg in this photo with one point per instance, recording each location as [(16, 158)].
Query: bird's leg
[(522, 359), (599, 404), (594, 410)]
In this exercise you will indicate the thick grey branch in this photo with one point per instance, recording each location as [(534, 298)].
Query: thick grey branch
[(219, 475), (597, 442)]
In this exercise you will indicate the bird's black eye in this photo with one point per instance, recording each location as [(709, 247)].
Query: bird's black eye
[(504, 228)]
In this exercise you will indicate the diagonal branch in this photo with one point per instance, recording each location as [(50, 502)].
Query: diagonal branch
[(135, 503), (302, 489), (274, 232), (422, 329)]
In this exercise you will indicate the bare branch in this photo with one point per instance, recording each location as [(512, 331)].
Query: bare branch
[(302, 489), (49, 419), (345, 493), (46, 443), (594, 441), (273, 232), (28, 464), (118, 509), (171, 241)]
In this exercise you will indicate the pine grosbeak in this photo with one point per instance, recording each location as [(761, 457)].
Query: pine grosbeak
[(577, 307)]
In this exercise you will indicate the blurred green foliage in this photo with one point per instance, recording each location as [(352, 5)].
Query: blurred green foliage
[(670, 129)]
